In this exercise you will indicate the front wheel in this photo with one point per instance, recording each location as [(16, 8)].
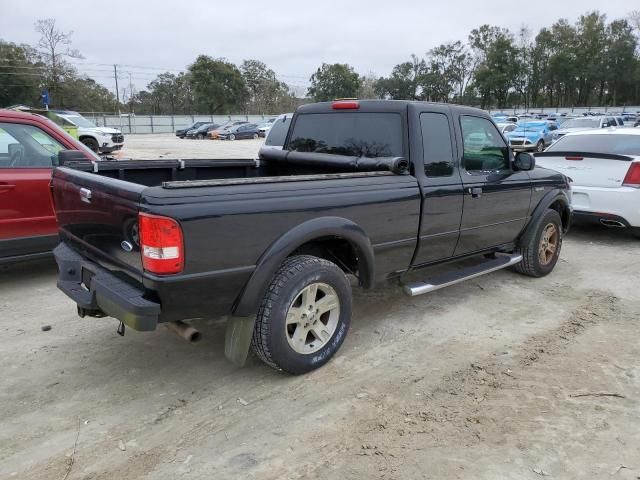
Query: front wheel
[(232, 137), (540, 146), (540, 247), (304, 316), (200, 136), (255, 136), (91, 143)]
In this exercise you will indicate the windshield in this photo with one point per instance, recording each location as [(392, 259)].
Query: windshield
[(79, 121), (582, 123), (617, 144), (350, 134), (278, 132)]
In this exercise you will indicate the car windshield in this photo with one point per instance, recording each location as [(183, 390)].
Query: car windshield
[(278, 132), (617, 144), (582, 123), (79, 121)]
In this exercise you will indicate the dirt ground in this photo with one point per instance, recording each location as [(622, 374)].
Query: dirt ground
[(501, 377), (167, 145)]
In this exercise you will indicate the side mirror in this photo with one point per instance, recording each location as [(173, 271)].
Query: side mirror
[(65, 156), (524, 161)]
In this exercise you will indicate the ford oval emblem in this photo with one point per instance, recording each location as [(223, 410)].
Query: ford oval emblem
[(126, 246)]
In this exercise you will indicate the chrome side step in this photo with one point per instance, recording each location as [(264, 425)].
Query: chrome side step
[(451, 278)]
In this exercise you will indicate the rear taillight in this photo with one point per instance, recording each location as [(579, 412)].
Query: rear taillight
[(161, 244), (573, 157), (632, 178)]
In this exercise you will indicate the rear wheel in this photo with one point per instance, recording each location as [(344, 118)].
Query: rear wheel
[(540, 247), (304, 316), (540, 146), (91, 143)]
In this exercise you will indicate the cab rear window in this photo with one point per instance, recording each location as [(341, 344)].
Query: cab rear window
[(354, 134)]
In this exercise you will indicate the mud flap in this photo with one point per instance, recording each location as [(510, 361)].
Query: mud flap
[(237, 339)]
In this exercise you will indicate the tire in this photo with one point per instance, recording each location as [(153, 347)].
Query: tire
[(531, 244), (540, 146), (232, 137), (200, 136), (274, 339), (636, 232), (91, 144), (255, 136)]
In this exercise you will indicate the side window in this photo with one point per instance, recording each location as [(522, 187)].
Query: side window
[(26, 146), (484, 148), (436, 143), (553, 127)]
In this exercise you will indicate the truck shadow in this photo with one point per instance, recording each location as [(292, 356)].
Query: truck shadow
[(27, 271)]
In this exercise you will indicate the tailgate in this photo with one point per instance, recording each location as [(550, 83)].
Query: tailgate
[(98, 216), (588, 169)]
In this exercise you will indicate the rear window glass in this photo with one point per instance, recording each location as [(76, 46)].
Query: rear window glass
[(351, 134), (617, 144), (278, 132)]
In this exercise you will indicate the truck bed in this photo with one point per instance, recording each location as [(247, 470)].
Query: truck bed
[(232, 213), (178, 173)]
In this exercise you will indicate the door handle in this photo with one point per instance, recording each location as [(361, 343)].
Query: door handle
[(475, 192)]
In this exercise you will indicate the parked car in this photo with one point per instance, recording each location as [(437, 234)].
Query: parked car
[(506, 127), (202, 131), (578, 124), (604, 165), (98, 139), (29, 147), (182, 132), (240, 132), (215, 134), (370, 189), (264, 127), (531, 135), (277, 133)]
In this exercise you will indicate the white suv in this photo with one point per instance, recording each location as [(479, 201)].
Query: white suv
[(98, 139)]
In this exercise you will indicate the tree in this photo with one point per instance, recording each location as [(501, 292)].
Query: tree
[(405, 81), (334, 81), (266, 93), (218, 85), (497, 63), (448, 70), (86, 95), (21, 74), (54, 48)]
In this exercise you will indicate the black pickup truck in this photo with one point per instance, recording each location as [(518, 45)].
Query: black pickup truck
[(363, 189)]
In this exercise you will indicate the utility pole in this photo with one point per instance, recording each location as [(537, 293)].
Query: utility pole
[(130, 94), (115, 75)]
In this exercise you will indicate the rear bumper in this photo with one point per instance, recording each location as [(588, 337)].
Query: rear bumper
[(103, 292), (622, 202)]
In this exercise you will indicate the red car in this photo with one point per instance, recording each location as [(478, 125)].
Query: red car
[(29, 146)]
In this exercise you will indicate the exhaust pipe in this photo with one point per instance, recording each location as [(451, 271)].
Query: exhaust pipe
[(185, 331), (612, 223)]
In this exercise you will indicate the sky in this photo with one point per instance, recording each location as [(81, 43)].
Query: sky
[(291, 37)]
